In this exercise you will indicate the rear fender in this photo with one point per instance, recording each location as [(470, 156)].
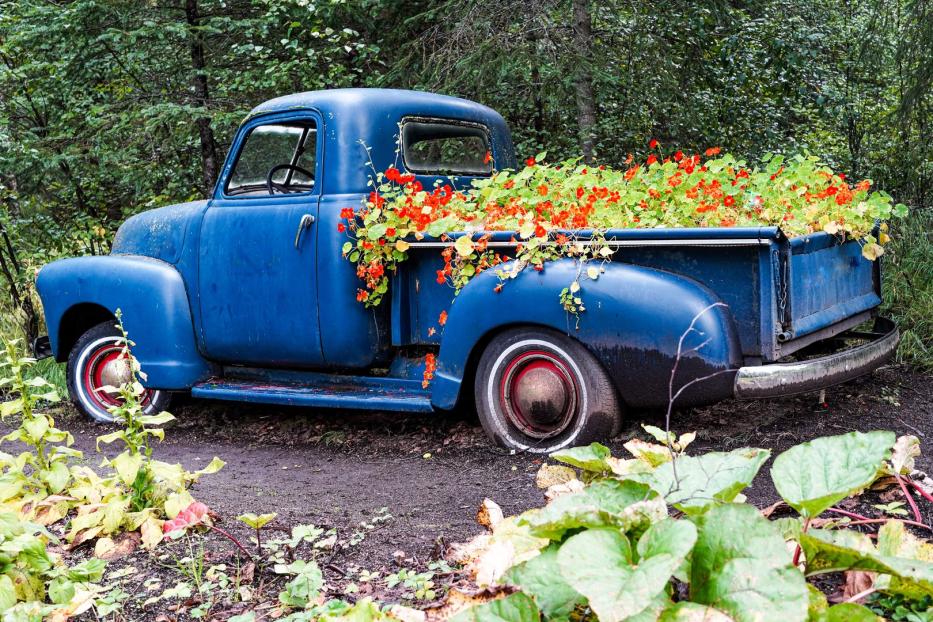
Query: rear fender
[(81, 292), (633, 321)]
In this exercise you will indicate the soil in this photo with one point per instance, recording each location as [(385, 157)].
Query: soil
[(337, 470)]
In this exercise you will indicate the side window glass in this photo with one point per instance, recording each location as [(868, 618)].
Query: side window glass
[(286, 151), (445, 148)]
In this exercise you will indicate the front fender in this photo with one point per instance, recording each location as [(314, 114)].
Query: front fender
[(156, 314), (633, 321)]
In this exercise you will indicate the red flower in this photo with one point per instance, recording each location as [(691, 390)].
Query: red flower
[(542, 189), (530, 161), (509, 184), (361, 295), (712, 151), (562, 239), (341, 227), (540, 231), (487, 158), (430, 366), (442, 318), (729, 201), (390, 231), (653, 143), (392, 174), (678, 156), (652, 159), (347, 212)]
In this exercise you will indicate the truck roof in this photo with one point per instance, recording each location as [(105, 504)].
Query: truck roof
[(378, 101), (371, 117)]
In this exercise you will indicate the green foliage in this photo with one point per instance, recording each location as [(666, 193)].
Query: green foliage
[(33, 580), (29, 478), (601, 555), (813, 476)]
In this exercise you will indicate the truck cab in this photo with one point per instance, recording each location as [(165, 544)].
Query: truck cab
[(246, 295)]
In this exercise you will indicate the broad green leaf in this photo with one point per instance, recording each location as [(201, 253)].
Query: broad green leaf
[(109, 438), (176, 502), (599, 564), (813, 476), (693, 483), (36, 427), (851, 612), (127, 466), (838, 550), (516, 607), (590, 458), (159, 419), (540, 578), (741, 566), (11, 407), (212, 467), (56, 478), (626, 505), (7, 593), (686, 611)]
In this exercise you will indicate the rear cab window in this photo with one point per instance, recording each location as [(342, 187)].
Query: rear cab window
[(446, 147)]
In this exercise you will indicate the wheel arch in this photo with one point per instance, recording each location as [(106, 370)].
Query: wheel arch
[(80, 293), (75, 321), (634, 319)]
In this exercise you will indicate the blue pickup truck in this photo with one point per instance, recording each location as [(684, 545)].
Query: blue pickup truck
[(245, 296)]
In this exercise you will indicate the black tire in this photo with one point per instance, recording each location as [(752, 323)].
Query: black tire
[(85, 362), (538, 390)]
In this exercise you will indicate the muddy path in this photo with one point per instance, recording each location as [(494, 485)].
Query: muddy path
[(338, 469)]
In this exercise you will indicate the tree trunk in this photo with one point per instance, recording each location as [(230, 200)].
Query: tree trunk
[(209, 166), (583, 82)]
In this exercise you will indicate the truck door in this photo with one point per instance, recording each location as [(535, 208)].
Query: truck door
[(257, 274)]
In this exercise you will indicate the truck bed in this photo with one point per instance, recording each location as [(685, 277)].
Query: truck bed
[(783, 294)]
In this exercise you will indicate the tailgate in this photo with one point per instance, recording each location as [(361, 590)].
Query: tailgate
[(828, 282)]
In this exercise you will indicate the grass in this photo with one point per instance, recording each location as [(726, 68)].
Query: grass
[(908, 287)]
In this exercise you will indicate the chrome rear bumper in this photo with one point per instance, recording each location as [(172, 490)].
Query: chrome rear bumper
[(819, 373)]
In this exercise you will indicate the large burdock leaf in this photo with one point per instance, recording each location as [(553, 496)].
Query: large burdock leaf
[(741, 566), (627, 505), (813, 476), (590, 458), (540, 578), (693, 483), (600, 564), (515, 608), (832, 551)]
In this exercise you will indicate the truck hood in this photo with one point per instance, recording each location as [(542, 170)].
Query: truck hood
[(158, 233)]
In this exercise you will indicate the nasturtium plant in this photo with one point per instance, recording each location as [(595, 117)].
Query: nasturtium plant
[(565, 209)]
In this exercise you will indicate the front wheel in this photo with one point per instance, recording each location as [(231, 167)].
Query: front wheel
[(538, 390), (97, 361)]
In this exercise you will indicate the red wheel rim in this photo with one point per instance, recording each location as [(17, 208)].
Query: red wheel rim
[(539, 393), (102, 369)]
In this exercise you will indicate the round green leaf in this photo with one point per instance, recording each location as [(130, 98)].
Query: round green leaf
[(813, 476)]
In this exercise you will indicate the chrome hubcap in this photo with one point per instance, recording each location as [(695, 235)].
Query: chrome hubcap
[(538, 394), (116, 372)]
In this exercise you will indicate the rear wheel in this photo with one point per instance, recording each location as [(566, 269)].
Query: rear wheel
[(538, 390), (96, 361)]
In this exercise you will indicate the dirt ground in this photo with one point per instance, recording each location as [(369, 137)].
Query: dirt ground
[(337, 470)]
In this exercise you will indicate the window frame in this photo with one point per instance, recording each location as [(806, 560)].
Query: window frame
[(487, 136), (309, 117)]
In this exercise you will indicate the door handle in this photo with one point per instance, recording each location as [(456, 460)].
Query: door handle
[(303, 224)]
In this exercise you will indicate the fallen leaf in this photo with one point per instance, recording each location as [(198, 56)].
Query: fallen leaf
[(857, 581), (552, 474), (489, 514)]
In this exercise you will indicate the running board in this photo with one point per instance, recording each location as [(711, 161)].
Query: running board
[(323, 391)]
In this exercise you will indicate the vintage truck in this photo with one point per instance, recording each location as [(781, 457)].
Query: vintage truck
[(245, 296)]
